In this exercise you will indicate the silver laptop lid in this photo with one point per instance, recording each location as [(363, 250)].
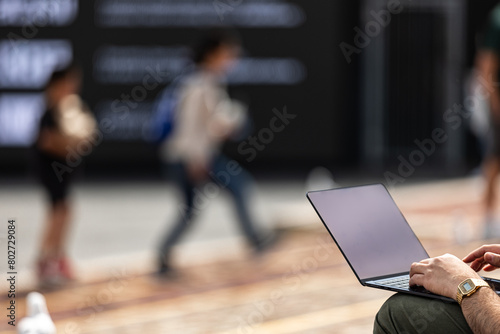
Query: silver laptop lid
[(369, 230)]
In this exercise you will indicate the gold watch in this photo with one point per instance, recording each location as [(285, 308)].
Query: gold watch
[(468, 287)]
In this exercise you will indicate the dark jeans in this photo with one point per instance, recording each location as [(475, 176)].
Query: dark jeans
[(407, 314), (224, 174)]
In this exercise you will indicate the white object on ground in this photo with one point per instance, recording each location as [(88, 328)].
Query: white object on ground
[(38, 320)]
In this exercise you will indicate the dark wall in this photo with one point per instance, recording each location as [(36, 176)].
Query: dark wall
[(324, 98)]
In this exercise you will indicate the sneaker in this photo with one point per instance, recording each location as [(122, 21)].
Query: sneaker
[(65, 269), (165, 271), (267, 242), (48, 273)]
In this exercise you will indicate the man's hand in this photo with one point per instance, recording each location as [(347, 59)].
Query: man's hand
[(485, 257), (441, 275)]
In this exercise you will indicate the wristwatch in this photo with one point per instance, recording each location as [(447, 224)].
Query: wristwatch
[(468, 287)]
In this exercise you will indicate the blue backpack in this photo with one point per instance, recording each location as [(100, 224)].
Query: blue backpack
[(162, 121)]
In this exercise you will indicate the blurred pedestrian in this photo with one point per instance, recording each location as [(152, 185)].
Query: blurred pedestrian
[(205, 117), (488, 66), (65, 128)]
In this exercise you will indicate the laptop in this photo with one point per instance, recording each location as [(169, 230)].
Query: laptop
[(374, 237)]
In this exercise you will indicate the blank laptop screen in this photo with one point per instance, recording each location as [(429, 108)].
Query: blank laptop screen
[(369, 229)]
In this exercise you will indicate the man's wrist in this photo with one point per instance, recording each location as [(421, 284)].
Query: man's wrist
[(478, 298), (469, 287)]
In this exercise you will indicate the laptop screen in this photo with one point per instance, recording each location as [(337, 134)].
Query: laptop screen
[(369, 229)]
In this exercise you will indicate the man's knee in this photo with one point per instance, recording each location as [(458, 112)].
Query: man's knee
[(411, 314), (391, 318)]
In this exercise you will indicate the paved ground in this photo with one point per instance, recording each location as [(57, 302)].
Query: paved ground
[(303, 285), (118, 221)]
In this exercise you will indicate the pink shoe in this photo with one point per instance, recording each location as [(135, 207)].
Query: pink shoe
[(65, 269), (48, 273)]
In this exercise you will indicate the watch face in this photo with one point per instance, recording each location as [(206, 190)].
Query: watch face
[(467, 287)]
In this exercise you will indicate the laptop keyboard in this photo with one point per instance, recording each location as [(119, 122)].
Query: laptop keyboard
[(401, 282)]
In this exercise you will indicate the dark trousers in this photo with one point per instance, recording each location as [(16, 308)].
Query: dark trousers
[(223, 176), (407, 314)]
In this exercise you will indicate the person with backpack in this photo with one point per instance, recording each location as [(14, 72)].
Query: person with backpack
[(198, 117)]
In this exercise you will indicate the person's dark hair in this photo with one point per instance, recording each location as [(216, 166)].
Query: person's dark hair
[(63, 73), (211, 41)]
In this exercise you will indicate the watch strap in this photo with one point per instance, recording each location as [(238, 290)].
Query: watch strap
[(478, 283)]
